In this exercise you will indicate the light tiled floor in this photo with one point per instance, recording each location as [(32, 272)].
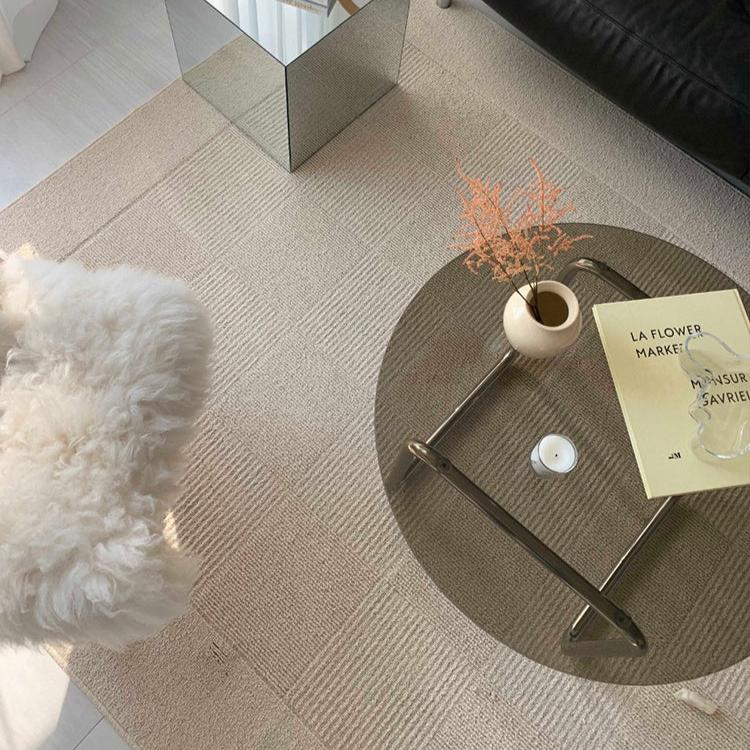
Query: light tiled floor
[(96, 61), (40, 709)]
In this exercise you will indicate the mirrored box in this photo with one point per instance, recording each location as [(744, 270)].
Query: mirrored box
[(290, 74)]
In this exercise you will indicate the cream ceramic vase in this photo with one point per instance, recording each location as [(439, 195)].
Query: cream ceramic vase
[(562, 317)]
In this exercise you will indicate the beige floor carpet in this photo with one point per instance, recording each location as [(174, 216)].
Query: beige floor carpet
[(312, 625)]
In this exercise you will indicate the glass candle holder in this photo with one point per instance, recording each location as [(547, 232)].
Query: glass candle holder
[(554, 456)]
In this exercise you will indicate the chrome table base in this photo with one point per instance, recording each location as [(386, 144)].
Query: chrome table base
[(414, 452)]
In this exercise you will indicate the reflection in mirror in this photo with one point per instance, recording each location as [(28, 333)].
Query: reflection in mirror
[(276, 70), (234, 74), (342, 75)]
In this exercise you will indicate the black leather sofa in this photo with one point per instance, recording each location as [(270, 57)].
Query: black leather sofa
[(680, 66)]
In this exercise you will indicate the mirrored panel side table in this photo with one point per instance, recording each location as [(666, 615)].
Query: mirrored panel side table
[(290, 74)]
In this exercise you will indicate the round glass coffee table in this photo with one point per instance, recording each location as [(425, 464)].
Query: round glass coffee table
[(457, 415)]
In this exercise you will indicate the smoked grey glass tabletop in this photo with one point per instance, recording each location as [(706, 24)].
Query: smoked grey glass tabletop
[(290, 74), (688, 586)]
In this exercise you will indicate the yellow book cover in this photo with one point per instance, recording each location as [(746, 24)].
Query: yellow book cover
[(643, 341)]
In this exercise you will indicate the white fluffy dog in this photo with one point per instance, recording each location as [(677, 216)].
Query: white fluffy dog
[(105, 374)]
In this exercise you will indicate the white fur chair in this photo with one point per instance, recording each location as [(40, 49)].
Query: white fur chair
[(104, 374)]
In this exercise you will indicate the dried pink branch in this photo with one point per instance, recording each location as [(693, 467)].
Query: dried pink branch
[(513, 237)]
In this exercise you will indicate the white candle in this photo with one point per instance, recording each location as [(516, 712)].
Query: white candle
[(554, 456)]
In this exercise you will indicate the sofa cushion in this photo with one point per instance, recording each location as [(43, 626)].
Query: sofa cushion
[(681, 66)]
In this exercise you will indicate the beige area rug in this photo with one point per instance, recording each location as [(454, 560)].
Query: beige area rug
[(312, 625)]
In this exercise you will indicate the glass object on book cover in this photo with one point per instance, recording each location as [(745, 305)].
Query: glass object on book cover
[(720, 378)]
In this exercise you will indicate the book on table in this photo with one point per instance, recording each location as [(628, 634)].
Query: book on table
[(643, 341)]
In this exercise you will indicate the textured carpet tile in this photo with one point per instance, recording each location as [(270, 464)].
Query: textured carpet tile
[(313, 626), (484, 718), (243, 323), (388, 667), (345, 491), (88, 191), (731, 689), (475, 645), (352, 325), (369, 184), (652, 713), (294, 259), (433, 118), (592, 719), (223, 190), (190, 688), (222, 467), (263, 408), (150, 238), (280, 624)]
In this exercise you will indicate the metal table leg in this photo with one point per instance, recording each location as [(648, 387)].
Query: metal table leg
[(635, 644), (405, 461), (413, 452), (572, 642)]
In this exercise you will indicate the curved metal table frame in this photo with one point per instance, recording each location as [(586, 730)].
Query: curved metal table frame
[(414, 452)]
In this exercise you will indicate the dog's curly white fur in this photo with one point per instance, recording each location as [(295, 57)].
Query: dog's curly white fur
[(105, 374)]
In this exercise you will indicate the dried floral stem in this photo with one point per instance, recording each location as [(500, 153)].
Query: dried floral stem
[(514, 236), (500, 265), (534, 302), (540, 181)]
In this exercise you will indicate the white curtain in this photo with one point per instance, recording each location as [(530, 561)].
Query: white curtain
[(10, 60), (284, 28), (21, 23)]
